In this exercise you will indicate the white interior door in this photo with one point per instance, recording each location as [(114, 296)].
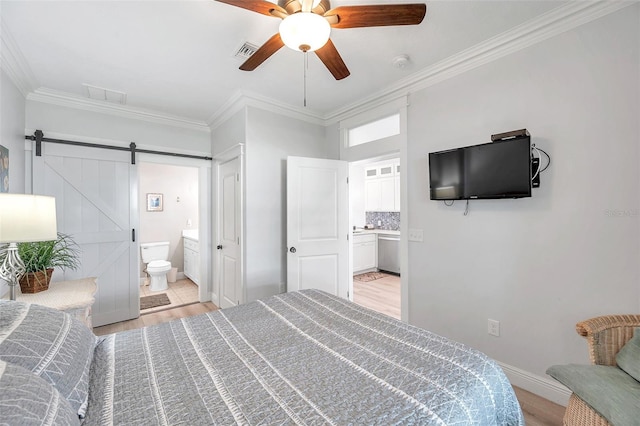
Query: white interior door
[(229, 233), (318, 225), (96, 192)]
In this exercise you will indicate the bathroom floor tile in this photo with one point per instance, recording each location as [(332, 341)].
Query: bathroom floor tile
[(180, 293)]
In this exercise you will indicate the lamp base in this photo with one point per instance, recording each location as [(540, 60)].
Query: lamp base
[(12, 267)]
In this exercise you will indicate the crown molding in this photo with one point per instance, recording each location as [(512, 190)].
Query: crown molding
[(14, 63), (54, 97), (550, 24), (18, 70), (242, 98)]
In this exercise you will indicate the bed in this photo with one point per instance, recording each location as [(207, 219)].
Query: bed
[(303, 357)]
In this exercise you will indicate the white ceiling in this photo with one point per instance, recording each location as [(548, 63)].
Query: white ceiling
[(176, 57)]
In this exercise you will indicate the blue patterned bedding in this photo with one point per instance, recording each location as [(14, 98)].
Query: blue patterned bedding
[(297, 358)]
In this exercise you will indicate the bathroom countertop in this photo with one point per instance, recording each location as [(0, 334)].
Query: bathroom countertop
[(191, 234), (375, 231)]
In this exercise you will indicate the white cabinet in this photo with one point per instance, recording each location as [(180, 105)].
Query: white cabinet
[(372, 195), (192, 260), (382, 187), (387, 194), (365, 252)]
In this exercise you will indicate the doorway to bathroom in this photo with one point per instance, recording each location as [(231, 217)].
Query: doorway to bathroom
[(168, 197)]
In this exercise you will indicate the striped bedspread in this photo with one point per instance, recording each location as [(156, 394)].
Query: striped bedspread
[(297, 358)]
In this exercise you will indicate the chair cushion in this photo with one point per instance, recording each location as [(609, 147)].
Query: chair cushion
[(51, 344), (27, 399), (610, 391), (628, 358)]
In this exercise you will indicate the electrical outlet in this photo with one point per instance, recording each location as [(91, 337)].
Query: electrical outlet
[(494, 327), (416, 235)]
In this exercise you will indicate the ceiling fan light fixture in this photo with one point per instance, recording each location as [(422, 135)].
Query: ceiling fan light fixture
[(305, 31)]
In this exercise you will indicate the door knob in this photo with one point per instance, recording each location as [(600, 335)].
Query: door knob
[(219, 246), (292, 249)]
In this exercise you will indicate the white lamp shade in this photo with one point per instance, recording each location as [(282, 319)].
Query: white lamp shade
[(304, 31), (27, 218)]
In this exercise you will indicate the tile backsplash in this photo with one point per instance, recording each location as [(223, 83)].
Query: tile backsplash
[(388, 220)]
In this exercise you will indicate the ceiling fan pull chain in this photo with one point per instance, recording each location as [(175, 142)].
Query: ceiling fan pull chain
[(305, 65)]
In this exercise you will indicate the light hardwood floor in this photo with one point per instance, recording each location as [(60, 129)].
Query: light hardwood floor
[(381, 295), (537, 411), (157, 317)]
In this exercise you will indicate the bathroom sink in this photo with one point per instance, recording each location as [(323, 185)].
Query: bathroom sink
[(190, 233)]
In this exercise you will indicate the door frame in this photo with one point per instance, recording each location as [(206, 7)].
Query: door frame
[(236, 151), (204, 212), (378, 148)]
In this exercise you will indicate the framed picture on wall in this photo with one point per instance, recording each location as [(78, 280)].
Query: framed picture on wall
[(154, 202), (4, 169)]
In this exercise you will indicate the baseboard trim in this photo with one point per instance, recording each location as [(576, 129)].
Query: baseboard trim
[(541, 386)]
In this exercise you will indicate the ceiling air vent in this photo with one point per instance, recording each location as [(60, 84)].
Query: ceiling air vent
[(246, 50), (102, 94)]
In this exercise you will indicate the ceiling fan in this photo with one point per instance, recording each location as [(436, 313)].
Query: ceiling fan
[(306, 26)]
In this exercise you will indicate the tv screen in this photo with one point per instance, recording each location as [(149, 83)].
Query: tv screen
[(500, 169)]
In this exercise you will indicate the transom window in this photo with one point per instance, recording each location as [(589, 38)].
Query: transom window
[(375, 130)]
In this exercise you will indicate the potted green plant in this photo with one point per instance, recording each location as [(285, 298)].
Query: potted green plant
[(40, 258)]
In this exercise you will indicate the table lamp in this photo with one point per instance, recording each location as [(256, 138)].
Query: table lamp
[(23, 218)]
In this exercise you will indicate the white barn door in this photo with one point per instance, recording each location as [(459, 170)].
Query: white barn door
[(96, 203), (318, 225)]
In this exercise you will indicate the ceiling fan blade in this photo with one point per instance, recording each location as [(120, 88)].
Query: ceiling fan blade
[(378, 15), (263, 53), (260, 6), (330, 57)]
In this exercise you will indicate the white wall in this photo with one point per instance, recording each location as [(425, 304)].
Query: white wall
[(541, 264), (230, 133), (173, 182), (12, 137), (12, 121), (270, 139), (75, 122)]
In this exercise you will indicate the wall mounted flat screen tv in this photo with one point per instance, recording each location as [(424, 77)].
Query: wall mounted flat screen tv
[(500, 169)]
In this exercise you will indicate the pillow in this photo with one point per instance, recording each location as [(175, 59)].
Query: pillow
[(628, 358), (51, 344), (26, 399)]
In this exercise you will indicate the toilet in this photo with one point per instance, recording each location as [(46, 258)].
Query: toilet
[(155, 256)]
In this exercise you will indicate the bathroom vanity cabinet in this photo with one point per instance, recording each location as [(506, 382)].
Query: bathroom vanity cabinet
[(192, 259)]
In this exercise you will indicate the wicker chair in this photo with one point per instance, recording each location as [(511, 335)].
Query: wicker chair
[(605, 336)]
